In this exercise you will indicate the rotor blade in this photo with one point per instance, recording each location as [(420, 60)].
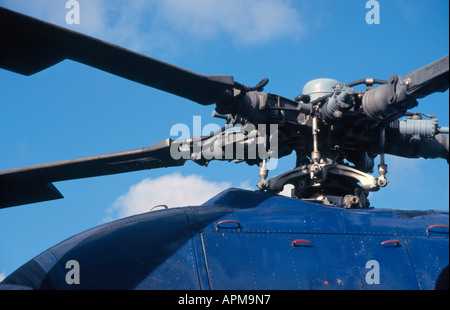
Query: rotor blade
[(34, 184), (429, 79), (29, 45)]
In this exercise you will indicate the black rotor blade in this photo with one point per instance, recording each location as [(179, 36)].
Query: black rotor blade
[(29, 45), (34, 184), (429, 79)]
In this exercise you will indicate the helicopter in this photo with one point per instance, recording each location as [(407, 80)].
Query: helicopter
[(246, 239)]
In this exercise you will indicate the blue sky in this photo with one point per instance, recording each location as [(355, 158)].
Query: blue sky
[(72, 111)]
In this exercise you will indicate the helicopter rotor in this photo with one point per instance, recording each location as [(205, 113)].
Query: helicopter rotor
[(330, 127)]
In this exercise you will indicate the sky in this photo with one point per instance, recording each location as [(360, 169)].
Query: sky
[(72, 111)]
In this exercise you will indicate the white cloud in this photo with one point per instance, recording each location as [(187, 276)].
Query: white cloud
[(174, 190), (247, 185), (2, 276), (92, 12), (248, 22), (152, 24)]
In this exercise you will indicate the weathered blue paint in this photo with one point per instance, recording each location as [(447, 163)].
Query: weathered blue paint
[(184, 248)]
